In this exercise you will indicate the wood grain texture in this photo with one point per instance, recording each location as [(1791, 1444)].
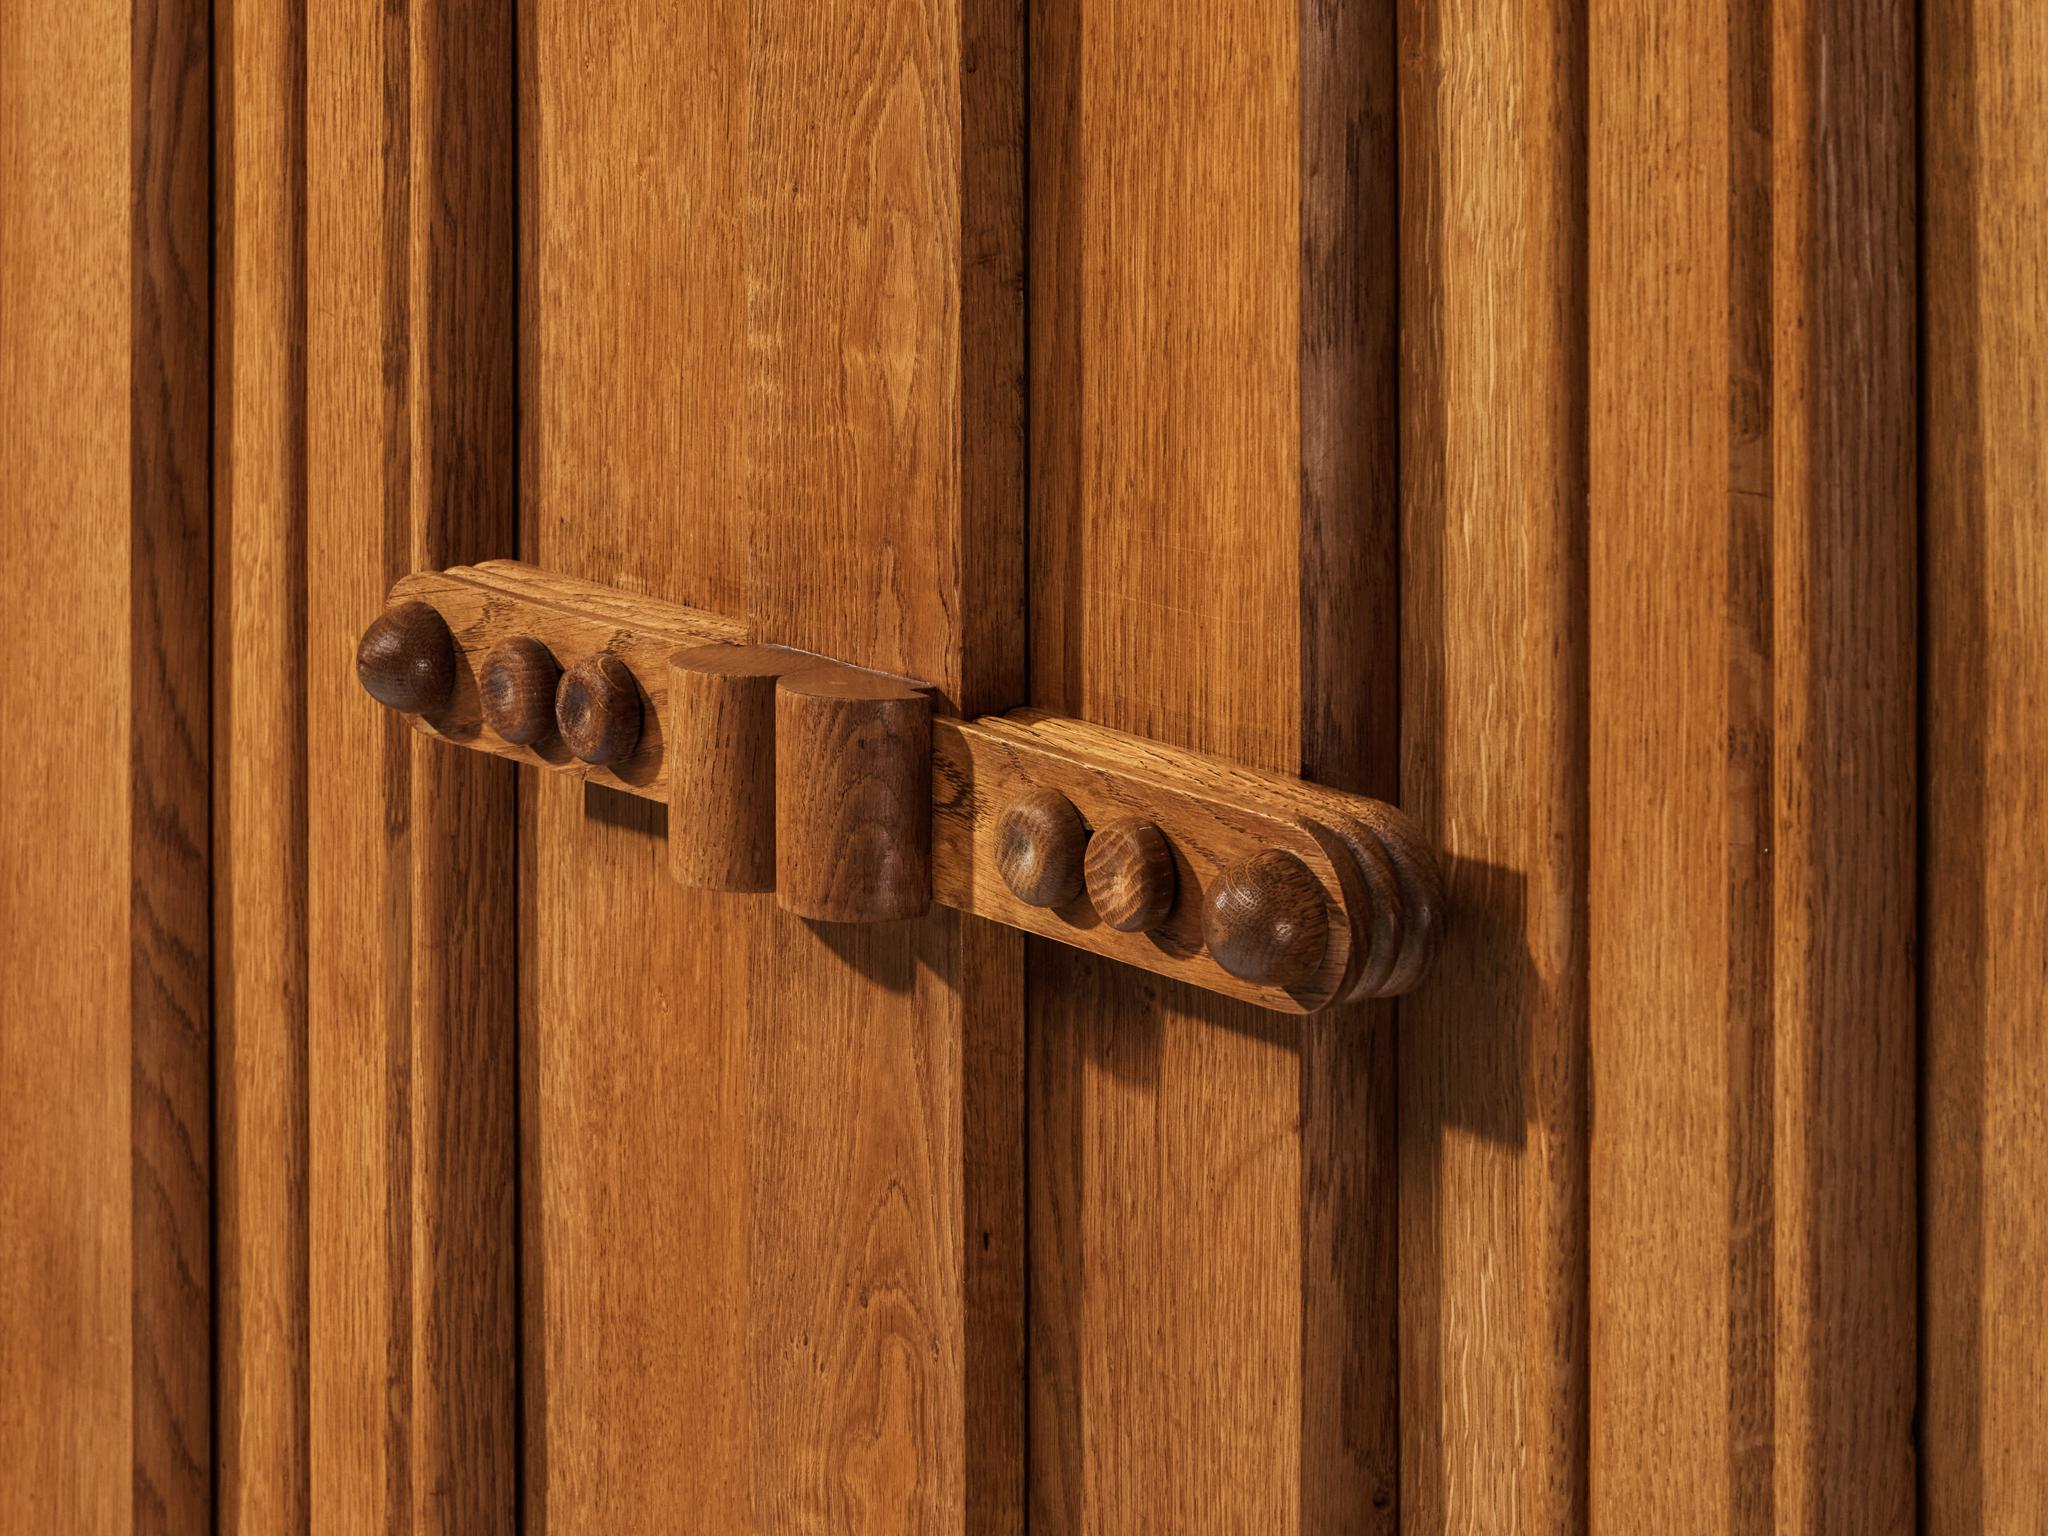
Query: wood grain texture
[(1379, 885), (598, 710), (1129, 874), (1040, 843), (806, 1313), (577, 621), (853, 796), (885, 502), (721, 765), (635, 1202), (170, 762), (1213, 525), (1984, 1135), (515, 690), (261, 776), (105, 1268), (410, 464), (406, 659), (1752, 582), (1263, 920), (1495, 1092)]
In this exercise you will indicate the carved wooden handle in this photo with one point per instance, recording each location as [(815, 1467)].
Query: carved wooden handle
[(837, 789)]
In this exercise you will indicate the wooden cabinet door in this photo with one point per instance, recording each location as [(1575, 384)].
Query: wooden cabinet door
[(1610, 430)]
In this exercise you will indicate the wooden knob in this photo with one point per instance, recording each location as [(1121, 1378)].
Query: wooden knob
[(597, 709), (407, 659), (1265, 921), (1039, 843), (853, 796), (1130, 875), (516, 690)]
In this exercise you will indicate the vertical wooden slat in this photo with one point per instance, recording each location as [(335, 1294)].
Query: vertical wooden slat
[(105, 1270), (1493, 1049), (1751, 812), (170, 756), (634, 1161), (1984, 1361), (885, 507), (412, 1025), (260, 789), (67, 1266), (1212, 537), (773, 339)]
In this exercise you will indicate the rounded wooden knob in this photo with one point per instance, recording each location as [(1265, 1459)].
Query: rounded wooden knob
[(406, 659), (1130, 876), (1265, 920), (597, 709), (1039, 844), (516, 690)]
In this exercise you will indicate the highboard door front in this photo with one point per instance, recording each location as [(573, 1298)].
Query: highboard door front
[(1090, 767)]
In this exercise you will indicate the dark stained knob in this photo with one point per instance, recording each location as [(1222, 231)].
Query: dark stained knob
[(1265, 922), (406, 659), (1039, 845), (1130, 877), (516, 690), (597, 709)]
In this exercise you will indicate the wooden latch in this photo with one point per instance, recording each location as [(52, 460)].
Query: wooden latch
[(843, 793)]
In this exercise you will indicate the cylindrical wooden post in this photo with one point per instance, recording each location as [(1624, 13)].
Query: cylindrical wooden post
[(853, 796), (721, 765)]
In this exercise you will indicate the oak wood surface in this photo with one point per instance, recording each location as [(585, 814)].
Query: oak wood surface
[(721, 765), (105, 1268), (598, 710), (1040, 844), (1751, 585), (1263, 919), (1213, 522), (1384, 901), (515, 690), (1984, 994), (170, 762), (410, 463), (635, 1209), (1495, 1089), (262, 777), (406, 659), (577, 621), (1129, 874), (853, 796), (770, 328)]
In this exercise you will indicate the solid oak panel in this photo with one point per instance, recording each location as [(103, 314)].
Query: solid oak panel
[(1751, 875), (105, 1267), (1984, 1360), (1212, 549), (884, 499), (1494, 1073), (409, 463), (633, 1075), (774, 1213), (261, 778)]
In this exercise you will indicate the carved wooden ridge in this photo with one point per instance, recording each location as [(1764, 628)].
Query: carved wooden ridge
[(839, 790)]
